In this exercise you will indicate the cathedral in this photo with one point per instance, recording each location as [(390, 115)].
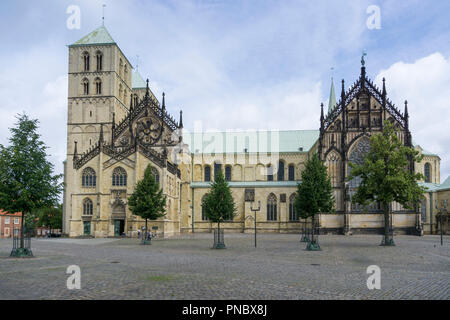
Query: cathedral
[(116, 127)]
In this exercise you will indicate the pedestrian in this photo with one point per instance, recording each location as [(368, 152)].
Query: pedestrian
[(139, 233)]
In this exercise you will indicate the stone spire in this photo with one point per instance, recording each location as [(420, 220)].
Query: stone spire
[(332, 100)]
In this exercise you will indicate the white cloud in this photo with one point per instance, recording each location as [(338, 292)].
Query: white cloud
[(425, 84)]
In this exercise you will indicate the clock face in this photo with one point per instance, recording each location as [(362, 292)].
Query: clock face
[(149, 130)]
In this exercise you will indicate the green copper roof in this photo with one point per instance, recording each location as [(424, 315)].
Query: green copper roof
[(137, 81), (332, 100), (98, 36), (251, 141)]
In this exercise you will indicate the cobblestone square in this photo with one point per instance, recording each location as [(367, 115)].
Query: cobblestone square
[(185, 267)]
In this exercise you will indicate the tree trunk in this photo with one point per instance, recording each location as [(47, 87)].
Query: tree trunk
[(146, 230), (312, 228), (21, 231), (387, 215)]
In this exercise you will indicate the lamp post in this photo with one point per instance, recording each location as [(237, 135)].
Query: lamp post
[(254, 211), (441, 215)]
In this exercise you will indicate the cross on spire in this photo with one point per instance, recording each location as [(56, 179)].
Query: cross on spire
[(103, 14)]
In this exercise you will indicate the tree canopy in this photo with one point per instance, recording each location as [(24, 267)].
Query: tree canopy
[(27, 181), (147, 200), (385, 176), (50, 217), (218, 203), (314, 193)]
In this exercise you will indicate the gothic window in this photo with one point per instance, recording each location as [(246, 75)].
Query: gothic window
[(291, 172), (88, 178), (334, 168), (280, 173), (204, 217), (87, 207), (99, 56), (228, 173), (86, 61), (135, 100), (270, 173), (85, 86), (119, 177), (423, 210), (360, 149), (271, 207), (293, 216), (217, 169), (207, 173), (427, 172), (98, 86), (125, 71), (156, 175)]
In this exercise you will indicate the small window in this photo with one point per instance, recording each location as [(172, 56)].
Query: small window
[(98, 86), (99, 60), (86, 61), (217, 169), (228, 173), (280, 173), (207, 173), (6, 220), (88, 178), (291, 172), (204, 217), (16, 220), (272, 207), (88, 207), (156, 175), (427, 172), (85, 86), (293, 216), (119, 177), (270, 173)]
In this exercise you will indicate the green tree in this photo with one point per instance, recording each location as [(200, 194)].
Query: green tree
[(314, 195), (51, 218), (147, 200), (218, 203), (385, 176), (27, 182)]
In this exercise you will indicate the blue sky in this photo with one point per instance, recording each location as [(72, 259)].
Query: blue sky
[(236, 64)]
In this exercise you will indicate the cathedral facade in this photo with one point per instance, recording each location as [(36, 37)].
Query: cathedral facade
[(117, 127)]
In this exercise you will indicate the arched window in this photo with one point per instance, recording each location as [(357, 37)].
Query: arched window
[(155, 174), (87, 207), (271, 207), (204, 217), (85, 86), (99, 56), (228, 173), (88, 178), (207, 173), (423, 209), (333, 164), (98, 86), (125, 71), (86, 61), (217, 169), (427, 172), (269, 173), (356, 156), (119, 177), (293, 216), (135, 100), (291, 172), (280, 173)]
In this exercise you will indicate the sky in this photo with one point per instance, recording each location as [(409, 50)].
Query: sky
[(244, 65)]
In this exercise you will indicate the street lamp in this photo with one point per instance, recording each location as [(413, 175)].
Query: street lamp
[(254, 211), (441, 215)]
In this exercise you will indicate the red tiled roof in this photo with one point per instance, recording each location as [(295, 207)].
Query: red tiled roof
[(4, 213)]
